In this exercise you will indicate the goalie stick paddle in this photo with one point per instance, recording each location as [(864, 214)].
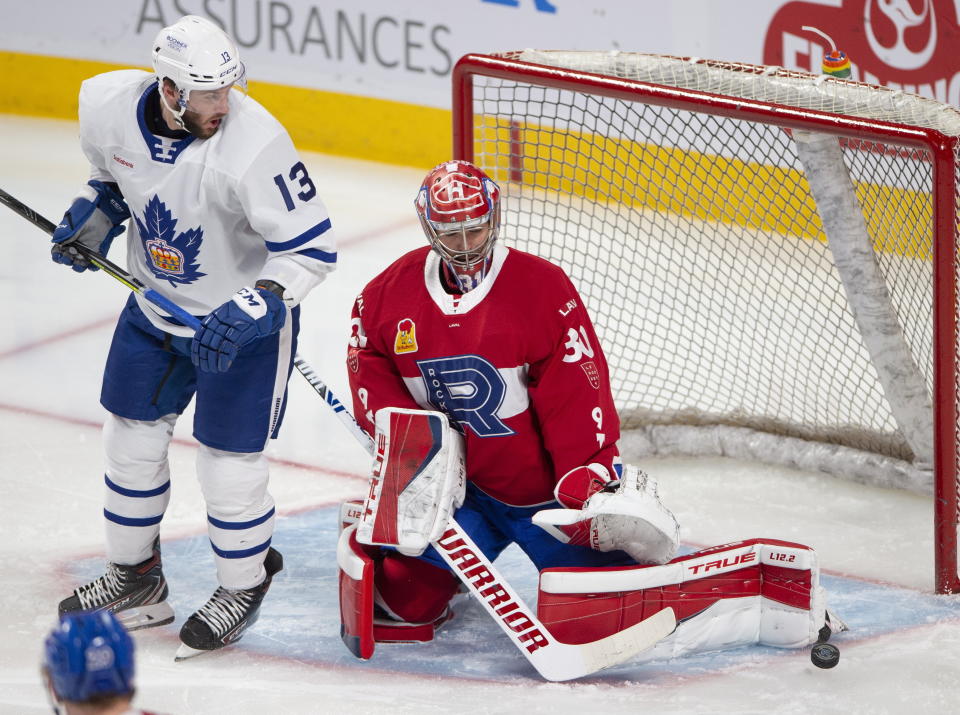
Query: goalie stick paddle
[(554, 660)]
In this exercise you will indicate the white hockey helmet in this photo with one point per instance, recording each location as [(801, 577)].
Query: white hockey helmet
[(196, 54)]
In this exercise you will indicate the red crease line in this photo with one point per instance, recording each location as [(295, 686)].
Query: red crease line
[(57, 337)]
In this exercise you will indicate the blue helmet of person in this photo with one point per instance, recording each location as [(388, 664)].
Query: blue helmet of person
[(89, 654)]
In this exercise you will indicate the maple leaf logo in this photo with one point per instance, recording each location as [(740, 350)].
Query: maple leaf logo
[(170, 256)]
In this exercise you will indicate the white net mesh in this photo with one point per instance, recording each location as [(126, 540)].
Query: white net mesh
[(767, 84), (697, 245)]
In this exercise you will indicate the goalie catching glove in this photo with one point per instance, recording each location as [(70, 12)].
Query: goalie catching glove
[(607, 515)]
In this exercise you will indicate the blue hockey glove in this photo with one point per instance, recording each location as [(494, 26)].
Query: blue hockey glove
[(93, 220), (251, 314)]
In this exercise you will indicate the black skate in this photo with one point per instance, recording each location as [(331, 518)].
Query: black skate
[(135, 594), (227, 615)]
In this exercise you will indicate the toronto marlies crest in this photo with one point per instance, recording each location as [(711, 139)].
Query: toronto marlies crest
[(170, 256)]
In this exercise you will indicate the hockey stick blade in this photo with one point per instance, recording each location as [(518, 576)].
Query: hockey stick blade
[(554, 660)]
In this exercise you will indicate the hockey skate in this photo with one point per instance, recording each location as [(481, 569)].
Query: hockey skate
[(135, 594), (227, 615)]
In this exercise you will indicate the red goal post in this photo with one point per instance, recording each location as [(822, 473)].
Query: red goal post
[(770, 256)]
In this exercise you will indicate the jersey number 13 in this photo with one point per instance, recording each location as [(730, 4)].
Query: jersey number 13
[(298, 173)]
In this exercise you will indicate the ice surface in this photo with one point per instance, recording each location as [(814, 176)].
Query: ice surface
[(902, 654)]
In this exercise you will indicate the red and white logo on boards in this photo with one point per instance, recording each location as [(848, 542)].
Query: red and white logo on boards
[(904, 44)]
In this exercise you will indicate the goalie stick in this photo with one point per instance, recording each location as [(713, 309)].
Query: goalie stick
[(554, 660)]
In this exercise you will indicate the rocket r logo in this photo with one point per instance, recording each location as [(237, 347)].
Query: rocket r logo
[(469, 389)]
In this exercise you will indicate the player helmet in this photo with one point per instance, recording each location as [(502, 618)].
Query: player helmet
[(196, 54), (89, 654), (455, 199)]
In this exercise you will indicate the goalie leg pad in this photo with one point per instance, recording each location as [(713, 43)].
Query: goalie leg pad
[(350, 512), (356, 594), (411, 595), (387, 630), (756, 591)]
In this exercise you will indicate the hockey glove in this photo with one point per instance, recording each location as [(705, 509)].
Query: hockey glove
[(626, 515), (93, 220), (251, 314)]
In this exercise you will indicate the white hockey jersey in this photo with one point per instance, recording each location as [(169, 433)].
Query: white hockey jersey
[(209, 216)]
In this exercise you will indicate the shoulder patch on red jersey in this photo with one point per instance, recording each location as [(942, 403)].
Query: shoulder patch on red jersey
[(593, 374), (406, 340)]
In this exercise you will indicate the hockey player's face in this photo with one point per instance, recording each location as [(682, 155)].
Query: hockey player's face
[(205, 111), (466, 242)]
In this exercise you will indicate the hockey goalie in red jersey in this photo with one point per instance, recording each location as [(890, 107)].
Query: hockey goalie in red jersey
[(497, 347)]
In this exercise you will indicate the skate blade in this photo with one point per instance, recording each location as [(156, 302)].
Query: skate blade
[(184, 652), (157, 614)]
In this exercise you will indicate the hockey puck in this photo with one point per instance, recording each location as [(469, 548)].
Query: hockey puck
[(825, 655)]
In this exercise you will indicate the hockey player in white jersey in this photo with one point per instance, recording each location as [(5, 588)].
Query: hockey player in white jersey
[(226, 222)]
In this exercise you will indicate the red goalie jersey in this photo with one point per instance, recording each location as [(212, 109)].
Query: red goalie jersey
[(515, 363)]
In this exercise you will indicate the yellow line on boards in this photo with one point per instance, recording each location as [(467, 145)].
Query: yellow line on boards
[(328, 122)]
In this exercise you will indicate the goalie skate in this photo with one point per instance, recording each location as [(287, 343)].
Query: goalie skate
[(227, 615), (136, 595)]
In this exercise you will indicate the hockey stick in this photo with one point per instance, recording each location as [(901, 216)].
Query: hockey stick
[(131, 282), (338, 408), (108, 267), (554, 660)]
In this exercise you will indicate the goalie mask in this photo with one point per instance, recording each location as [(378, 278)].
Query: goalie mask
[(459, 209), (196, 55)]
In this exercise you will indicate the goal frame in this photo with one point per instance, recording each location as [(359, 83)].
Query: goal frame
[(941, 149)]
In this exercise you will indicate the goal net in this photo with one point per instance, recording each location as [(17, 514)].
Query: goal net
[(769, 256)]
